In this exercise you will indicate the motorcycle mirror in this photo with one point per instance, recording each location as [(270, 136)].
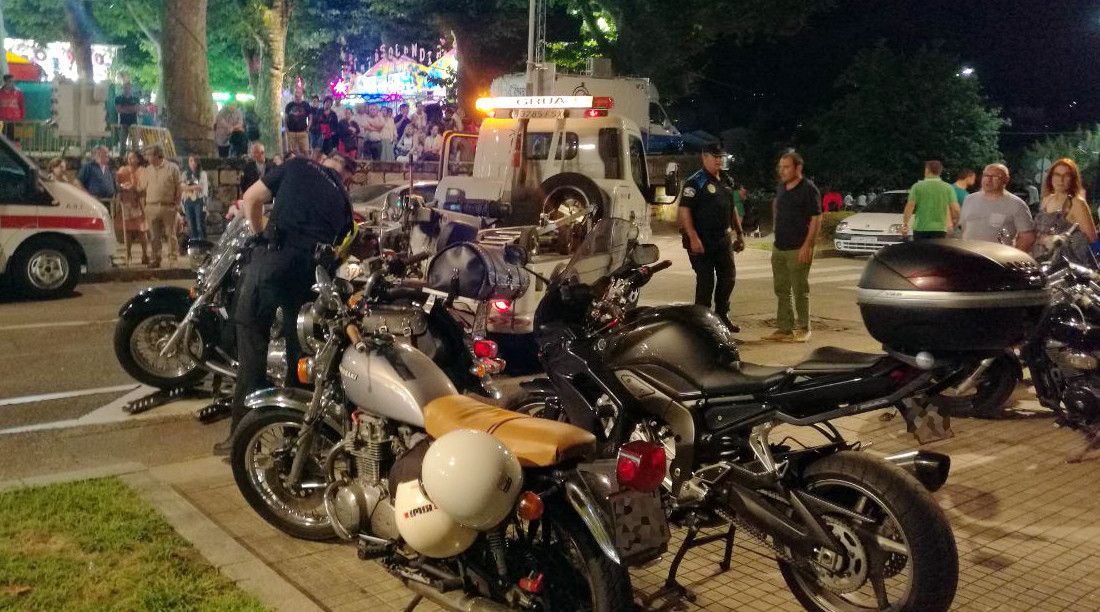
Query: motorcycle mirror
[(645, 254)]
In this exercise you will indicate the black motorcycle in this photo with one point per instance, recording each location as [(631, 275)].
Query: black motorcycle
[(850, 531), (1063, 355)]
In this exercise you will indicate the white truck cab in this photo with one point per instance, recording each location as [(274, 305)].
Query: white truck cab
[(49, 230)]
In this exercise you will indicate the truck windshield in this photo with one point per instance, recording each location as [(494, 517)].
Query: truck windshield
[(13, 178)]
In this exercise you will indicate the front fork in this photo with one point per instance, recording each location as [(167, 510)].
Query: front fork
[(313, 417)]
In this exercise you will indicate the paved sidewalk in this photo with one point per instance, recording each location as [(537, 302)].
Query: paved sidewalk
[(133, 270)]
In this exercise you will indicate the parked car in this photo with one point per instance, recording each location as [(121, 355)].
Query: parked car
[(49, 230), (876, 226)]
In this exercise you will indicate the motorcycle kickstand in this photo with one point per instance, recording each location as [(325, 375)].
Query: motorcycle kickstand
[(691, 540), (414, 602), (1092, 442)]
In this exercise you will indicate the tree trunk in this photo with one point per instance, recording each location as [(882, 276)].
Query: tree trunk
[(268, 105), (76, 26), (186, 80), (480, 61)]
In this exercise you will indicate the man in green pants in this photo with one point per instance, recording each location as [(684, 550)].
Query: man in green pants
[(796, 217), (934, 203)]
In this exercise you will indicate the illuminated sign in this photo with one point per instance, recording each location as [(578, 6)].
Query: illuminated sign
[(57, 60), (559, 102)]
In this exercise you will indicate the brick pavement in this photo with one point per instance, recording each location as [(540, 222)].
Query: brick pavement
[(1026, 523)]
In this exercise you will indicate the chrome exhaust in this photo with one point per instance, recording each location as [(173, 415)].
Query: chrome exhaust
[(456, 600), (928, 467)]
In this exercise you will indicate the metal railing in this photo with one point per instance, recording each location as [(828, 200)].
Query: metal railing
[(44, 139)]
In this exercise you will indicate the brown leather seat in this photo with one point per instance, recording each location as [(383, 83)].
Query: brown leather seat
[(536, 442)]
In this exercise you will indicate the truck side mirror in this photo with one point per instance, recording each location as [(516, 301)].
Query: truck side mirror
[(672, 180)]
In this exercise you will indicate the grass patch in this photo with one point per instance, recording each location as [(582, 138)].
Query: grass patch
[(97, 545)]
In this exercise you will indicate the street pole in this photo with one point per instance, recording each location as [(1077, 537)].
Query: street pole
[(3, 35), (531, 46)]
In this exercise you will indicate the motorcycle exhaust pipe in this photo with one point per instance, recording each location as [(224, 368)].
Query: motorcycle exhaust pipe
[(928, 467), (456, 600)]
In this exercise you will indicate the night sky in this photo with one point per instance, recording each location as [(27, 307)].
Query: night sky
[(1038, 60)]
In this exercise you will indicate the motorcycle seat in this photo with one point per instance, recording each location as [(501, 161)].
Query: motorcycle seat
[(716, 381), (535, 442), (834, 359)]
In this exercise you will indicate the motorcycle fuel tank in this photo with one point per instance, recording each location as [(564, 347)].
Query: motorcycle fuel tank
[(395, 382)]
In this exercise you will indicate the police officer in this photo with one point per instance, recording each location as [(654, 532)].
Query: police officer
[(707, 213), (311, 208)]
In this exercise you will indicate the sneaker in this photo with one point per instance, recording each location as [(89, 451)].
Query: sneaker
[(734, 328), (800, 335), (777, 336)]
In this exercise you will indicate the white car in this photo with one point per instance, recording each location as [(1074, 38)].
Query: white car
[(876, 226)]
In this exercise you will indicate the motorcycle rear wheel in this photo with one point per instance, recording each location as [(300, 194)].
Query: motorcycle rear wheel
[(911, 532), (580, 576), (263, 451)]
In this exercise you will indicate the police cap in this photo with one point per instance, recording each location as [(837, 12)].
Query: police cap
[(714, 148)]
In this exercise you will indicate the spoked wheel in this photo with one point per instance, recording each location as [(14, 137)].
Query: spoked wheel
[(900, 557), (577, 575), (571, 205), (264, 447), (139, 343)]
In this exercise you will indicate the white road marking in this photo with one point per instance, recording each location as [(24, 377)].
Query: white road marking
[(45, 397), (55, 324), (113, 413)]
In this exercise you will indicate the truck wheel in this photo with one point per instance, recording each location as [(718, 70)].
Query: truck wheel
[(572, 196), (45, 268)]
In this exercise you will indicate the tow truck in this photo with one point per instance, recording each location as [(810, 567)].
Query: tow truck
[(550, 167)]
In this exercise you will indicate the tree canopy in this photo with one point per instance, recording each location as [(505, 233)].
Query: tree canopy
[(895, 112)]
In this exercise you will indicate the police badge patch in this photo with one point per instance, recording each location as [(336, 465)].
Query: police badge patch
[(711, 188), (689, 192)]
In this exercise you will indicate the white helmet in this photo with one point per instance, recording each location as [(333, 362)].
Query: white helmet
[(426, 528), (472, 477)]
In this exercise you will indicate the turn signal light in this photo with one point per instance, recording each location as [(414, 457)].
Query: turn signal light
[(485, 349), (530, 506), (603, 102), (501, 306), (641, 466), (595, 112), (305, 370)]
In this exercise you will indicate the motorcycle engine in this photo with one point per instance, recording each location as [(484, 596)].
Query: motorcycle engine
[(362, 503), (1081, 403)]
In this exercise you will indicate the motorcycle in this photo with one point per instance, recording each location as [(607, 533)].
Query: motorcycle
[(381, 453), (1063, 355), (849, 530)]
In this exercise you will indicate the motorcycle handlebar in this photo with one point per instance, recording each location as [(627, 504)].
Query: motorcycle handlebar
[(419, 257)]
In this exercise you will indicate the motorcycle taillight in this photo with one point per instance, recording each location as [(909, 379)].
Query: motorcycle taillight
[(641, 466)]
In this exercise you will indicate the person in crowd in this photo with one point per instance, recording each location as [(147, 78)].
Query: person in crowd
[(238, 138), (59, 170), (848, 201), (964, 180), (255, 168), (349, 134), (196, 189), (12, 106), (1064, 205), (451, 121), (96, 175), (934, 204), (406, 145), (311, 207), (131, 198), (389, 134), (831, 201), (162, 197), (419, 118), (994, 215), (223, 127), (433, 143), (330, 127), (796, 217), (707, 212), (372, 138), (315, 110), (297, 114), (401, 120), (127, 109), (278, 160), (861, 201)]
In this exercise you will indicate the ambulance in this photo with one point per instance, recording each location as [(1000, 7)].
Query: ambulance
[(49, 230)]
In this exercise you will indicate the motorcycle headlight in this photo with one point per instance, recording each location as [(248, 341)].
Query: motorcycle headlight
[(895, 228), (842, 226), (309, 329)]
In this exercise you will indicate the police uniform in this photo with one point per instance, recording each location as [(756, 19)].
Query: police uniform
[(311, 207), (711, 202)]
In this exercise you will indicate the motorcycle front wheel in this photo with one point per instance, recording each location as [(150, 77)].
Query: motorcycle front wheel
[(902, 559), (139, 341), (264, 447)]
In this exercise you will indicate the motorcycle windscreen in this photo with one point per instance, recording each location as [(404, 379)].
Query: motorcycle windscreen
[(603, 251)]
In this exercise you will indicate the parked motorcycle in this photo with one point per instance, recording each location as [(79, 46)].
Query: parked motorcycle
[(850, 531), (1063, 355), (384, 452)]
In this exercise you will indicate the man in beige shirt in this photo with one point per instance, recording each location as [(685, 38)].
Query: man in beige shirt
[(162, 198)]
